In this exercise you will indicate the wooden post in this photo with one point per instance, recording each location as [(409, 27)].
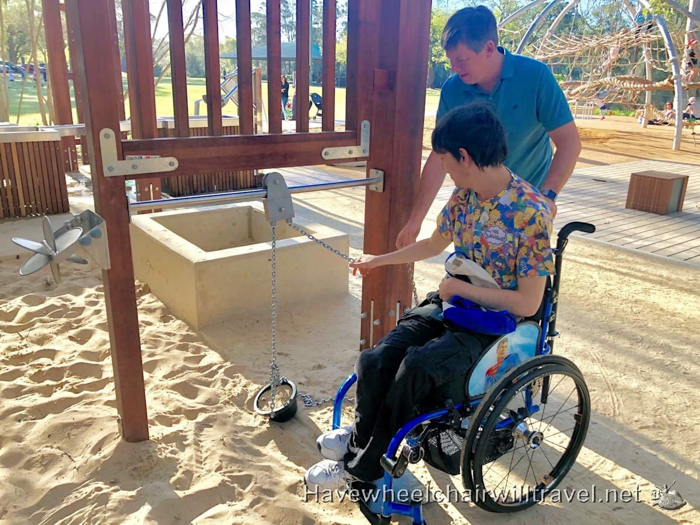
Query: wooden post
[(244, 55), (210, 22), (139, 71), (329, 28), (395, 147), (178, 67), (274, 66), (96, 76), (303, 48), (77, 89), (58, 76)]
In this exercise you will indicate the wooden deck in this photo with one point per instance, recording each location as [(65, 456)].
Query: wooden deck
[(598, 195)]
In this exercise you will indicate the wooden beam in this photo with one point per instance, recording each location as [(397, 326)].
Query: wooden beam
[(396, 138), (274, 66), (116, 56), (95, 38), (302, 60), (329, 37), (139, 70), (210, 20), (77, 89), (244, 54), (58, 76), (178, 68), (234, 153)]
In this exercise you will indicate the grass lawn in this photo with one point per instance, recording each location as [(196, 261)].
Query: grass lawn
[(196, 87)]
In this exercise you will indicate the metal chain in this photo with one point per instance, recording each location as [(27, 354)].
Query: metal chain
[(309, 401), (319, 241), (413, 284), (274, 369)]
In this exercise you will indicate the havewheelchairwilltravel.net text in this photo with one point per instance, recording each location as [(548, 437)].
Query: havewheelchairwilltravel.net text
[(451, 494)]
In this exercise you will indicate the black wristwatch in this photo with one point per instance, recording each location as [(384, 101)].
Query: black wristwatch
[(550, 194)]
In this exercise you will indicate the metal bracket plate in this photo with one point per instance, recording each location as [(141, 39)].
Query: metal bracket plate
[(133, 165), (351, 152), (377, 186), (278, 203)]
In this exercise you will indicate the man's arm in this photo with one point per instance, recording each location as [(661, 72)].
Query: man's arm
[(431, 180), (568, 148), (523, 301)]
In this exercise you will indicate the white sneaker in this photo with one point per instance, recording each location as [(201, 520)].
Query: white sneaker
[(326, 475), (335, 444)]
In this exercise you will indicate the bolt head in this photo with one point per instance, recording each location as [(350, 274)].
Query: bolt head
[(282, 210), (108, 136), (171, 164), (110, 168), (376, 322), (134, 166)]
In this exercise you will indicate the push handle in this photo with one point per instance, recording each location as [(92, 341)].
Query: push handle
[(571, 227)]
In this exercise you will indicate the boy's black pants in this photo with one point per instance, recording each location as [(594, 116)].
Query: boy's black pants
[(402, 373)]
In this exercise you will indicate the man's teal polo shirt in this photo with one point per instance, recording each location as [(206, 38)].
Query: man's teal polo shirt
[(530, 104)]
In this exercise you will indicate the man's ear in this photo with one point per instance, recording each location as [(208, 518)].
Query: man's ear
[(490, 47)]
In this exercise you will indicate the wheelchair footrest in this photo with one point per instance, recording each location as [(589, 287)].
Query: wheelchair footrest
[(406, 490)]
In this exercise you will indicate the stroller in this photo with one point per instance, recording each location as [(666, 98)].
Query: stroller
[(317, 101)]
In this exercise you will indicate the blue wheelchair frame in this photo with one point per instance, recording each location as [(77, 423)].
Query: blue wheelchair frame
[(545, 345)]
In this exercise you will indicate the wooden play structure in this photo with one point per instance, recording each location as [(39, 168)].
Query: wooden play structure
[(387, 52)]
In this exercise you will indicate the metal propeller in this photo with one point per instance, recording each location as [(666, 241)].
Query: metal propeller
[(51, 251)]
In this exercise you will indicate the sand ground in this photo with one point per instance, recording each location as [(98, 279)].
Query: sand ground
[(629, 321)]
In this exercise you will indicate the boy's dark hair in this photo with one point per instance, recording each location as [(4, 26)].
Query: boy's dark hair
[(476, 128), (471, 26)]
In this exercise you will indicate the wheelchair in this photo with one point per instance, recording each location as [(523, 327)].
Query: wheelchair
[(514, 435)]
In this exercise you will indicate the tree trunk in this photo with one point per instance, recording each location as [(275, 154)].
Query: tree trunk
[(4, 87), (431, 76)]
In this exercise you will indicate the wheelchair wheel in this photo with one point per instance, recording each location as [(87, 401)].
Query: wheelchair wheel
[(513, 456)]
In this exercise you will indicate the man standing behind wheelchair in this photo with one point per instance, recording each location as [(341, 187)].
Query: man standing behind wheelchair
[(528, 101), (495, 219)]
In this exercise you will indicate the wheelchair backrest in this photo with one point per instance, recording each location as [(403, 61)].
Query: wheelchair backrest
[(504, 354)]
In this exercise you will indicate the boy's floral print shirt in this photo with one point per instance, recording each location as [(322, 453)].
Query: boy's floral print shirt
[(507, 235)]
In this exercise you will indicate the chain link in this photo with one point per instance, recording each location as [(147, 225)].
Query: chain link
[(319, 241), (309, 401), (274, 369)]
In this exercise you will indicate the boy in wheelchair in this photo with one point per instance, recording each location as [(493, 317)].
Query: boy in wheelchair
[(494, 219)]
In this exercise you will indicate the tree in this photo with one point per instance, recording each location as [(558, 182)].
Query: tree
[(288, 20), (436, 54), (258, 28)]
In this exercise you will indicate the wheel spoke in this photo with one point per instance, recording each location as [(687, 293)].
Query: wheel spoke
[(562, 406)]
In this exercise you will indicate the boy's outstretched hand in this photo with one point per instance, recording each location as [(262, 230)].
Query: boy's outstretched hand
[(365, 263)]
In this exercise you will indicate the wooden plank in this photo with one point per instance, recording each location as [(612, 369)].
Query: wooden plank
[(97, 76), (301, 91), (352, 67), (116, 57), (328, 88), (26, 199), (58, 75), (212, 67), (30, 168), (178, 68), (402, 33), (10, 185), (243, 152), (77, 90), (16, 158), (245, 67), (31, 183), (274, 65), (139, 68), (54, 157), (46, 176)]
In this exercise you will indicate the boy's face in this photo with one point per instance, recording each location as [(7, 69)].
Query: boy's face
[(458, 170), (471, 67)]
